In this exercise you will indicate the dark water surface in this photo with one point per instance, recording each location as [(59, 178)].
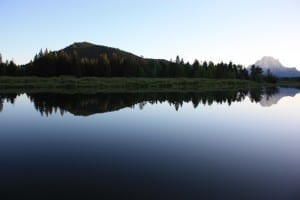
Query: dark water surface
[(214, 145)]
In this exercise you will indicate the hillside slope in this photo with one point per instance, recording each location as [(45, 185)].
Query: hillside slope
[(89, 50)]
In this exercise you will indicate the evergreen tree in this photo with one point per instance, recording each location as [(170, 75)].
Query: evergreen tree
[(105, 64), (270, 78), (196, 71), (177, 60), (256, 73), (11, 69)]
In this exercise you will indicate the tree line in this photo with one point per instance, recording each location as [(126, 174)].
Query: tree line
[(9, 68), (49, 64)]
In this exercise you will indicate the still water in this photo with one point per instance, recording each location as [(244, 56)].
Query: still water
[(213, 145)]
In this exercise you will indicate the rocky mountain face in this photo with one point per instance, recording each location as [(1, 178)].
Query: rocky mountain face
[(276, 67)]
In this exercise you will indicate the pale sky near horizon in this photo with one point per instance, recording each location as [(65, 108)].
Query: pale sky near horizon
[(217, 30)]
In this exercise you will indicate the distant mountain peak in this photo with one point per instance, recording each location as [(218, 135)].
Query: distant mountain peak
[(269, 62), (276, 67)]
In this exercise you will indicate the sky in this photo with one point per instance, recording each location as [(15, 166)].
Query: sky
[(216, 30)]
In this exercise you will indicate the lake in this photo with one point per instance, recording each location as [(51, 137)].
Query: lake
[(210, 145)]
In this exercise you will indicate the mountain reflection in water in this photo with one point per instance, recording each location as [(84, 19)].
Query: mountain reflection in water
[(89, 104), (229, 151)]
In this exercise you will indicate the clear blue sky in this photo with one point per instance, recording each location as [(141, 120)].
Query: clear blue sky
[(217, 30)]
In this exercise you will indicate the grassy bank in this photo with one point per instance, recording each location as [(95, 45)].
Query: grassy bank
[(93, 84), (294, 83)]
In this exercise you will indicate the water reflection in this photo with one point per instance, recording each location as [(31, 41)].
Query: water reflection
[(10, 98), (221, 152), (89, 104), (273, 97)]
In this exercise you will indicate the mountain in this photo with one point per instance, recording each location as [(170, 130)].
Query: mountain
[(276, 67), (87, 59), (90, 51)]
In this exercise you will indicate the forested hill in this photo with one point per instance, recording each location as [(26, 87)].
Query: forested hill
[(86, 59), (91, 51)]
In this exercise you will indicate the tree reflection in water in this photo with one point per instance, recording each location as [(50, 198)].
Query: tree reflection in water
[(88, 104)]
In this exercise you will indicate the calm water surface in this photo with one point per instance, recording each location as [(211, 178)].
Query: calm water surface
[(216, 145)]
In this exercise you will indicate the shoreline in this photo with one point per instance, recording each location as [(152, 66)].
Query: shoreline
[(94, 84)]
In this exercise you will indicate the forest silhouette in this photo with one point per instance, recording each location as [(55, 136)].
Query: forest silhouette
[(86, 59)]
